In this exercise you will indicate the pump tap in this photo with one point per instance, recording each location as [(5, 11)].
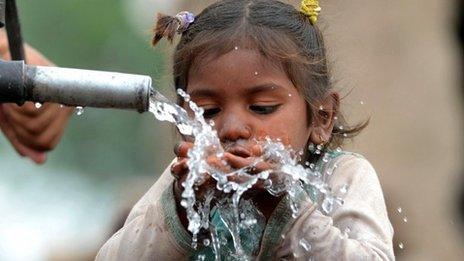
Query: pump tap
[(73, 87)]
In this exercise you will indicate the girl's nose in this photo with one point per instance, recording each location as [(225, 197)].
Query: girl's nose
[(233, 128)]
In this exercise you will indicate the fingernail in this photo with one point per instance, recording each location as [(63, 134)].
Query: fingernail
[(177, 148)]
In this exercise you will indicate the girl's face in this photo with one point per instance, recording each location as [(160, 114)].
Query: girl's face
[(249, 98)]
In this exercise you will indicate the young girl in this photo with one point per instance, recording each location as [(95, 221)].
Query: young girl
[(258, 68)]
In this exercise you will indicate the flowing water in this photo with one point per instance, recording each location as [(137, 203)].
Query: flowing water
[(238, 214)]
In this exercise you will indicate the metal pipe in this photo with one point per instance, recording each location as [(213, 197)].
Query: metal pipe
[(2, 13), (73, 87), (13, 30)]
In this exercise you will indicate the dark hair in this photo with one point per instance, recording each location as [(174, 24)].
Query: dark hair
[(277, 30)]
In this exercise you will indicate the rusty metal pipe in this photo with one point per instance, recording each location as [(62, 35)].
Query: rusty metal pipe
[(73, 87)]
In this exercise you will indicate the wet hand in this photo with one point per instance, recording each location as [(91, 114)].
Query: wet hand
[(236, 158), (180, 170)]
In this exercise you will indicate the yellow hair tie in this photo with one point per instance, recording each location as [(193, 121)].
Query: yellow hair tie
[(311, 9)]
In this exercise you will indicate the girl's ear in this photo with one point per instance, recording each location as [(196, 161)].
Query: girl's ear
[(324, 118)]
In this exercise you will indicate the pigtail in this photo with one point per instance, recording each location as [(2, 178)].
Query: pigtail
[(166, 26)]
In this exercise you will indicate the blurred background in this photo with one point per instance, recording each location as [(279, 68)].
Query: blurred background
[(397, 62)]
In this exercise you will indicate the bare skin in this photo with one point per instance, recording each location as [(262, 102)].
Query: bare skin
[(248, 98), (31, 131)]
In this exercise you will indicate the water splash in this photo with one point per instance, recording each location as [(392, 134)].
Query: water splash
[(291, 177), (79, 110), (401, 245)]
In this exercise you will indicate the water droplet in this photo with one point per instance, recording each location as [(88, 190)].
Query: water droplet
[(242, 215), (256, 73), (211, 123), (79, 110), (327, 205), (362, 103), (325, 158), (345, 135), (305, 245), (321, 108), (236, 48), (311, 147), (335, 118), (289, 95), (341, 127), (61, 106), (38, 105), (183, 203), (401, 245), (338, 150), (344, 189), (206, 242), (400, 210), (405, 219)]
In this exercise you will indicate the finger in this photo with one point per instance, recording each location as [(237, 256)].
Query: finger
[(7, 129), (48, 138), (256, 165), (257, 150), (28, 109), (33, 125), (219, 164), (181, 148), (179, 169), (36, 156)]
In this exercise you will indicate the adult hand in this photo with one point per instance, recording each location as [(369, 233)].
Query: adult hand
[(32, 131)]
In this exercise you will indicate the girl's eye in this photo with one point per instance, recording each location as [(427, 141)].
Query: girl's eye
[(211, 112), (260, 109)]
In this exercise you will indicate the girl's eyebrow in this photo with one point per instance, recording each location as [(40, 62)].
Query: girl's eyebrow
[(203, 93), (266, 87)]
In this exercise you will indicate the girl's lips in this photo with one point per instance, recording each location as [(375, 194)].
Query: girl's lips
[(239, 151)]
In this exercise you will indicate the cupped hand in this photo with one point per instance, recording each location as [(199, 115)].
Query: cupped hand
[(248, 159)]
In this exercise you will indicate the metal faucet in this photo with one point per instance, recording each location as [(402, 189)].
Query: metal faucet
[(73, 87)]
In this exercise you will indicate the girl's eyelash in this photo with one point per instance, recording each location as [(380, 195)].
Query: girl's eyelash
[(264, 109), (259, 109), (211, 112)]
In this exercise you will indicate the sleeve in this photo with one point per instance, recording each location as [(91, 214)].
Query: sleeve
[(152, 230), (357, 230)]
